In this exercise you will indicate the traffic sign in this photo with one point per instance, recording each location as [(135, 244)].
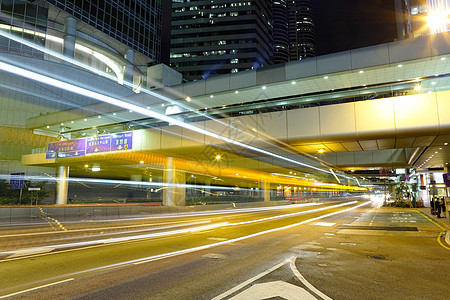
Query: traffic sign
[(16, 181)]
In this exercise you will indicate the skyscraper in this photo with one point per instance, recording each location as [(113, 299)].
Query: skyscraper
[(302, 33), (220, 36), (294, 34), (281, 33)]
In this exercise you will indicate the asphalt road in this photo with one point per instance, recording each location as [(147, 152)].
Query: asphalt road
[(363, 253)]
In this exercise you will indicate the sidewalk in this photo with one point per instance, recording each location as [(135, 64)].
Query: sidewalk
[(444, 222)]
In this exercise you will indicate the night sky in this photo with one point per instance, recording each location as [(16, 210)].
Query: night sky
[(349, 24)]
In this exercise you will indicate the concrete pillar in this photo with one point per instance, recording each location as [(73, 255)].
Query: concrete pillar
[(62, 185), (70, 29), (128, 72), (173, 195), (423, 195), (264, 188)]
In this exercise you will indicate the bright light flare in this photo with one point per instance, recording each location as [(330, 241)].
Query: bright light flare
[(438, 21)]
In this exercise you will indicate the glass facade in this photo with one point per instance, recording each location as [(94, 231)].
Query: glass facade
[(135, 23), (27, 20)]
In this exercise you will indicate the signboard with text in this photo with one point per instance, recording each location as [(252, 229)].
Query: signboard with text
[(122, 141), (16, 181), (63, 149), (98, 144), (90, 145)]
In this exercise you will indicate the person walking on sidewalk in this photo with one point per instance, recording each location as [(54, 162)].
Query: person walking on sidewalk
[(438, 207), (443, 208)]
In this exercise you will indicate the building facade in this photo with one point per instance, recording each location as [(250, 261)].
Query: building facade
[(294, 34), (302, 32), (220, 37)]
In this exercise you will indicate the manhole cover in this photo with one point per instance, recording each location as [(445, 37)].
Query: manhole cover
[(378, 257)]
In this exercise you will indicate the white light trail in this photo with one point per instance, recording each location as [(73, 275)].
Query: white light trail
[(185, 251), (149, 92), (146, 112)]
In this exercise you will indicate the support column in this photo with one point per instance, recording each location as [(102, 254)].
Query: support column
[(265, 190), (62, 185), (423, 192), (173, 195), (207, 192), (128, 72), (70, 29)]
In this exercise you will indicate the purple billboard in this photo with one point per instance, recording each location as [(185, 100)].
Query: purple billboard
[(72, 148), (90, 145), (122, 141), (98, 144)]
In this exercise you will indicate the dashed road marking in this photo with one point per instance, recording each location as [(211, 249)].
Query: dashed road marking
[(326, 224)]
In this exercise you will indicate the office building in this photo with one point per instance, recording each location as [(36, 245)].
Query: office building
[(302, 33), (220, 37), (294, 34)]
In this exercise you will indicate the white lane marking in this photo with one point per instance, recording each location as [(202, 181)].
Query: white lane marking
[(306, 282), (25, 252), (247, 282), (348, 244), (329, 233), (274, 289), (35, 288), (326, 224)]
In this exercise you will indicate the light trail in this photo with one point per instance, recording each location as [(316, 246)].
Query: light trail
[(14, 254), (146, 112), (149, 92), (106, 228), (177, 253)]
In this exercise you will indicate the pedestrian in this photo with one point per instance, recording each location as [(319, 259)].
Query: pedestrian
[(438, 207), (443, 208), (432, 206)]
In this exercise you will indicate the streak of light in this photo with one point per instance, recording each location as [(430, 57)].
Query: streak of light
[(123, 104), (36, 288), (109, 228), (185, 251), (293, 214), (17, 254)]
